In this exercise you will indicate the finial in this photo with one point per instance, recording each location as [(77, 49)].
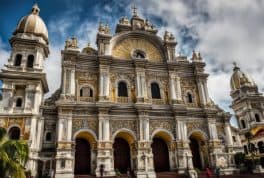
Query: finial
[(194, 55), (89, 44), (35, 9), (235, 66), (199, 56), (134, 10)]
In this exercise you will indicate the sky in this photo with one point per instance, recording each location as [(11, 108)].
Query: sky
[(223, 31)]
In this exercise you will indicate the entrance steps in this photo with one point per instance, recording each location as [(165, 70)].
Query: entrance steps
[(203, 175), (175, 175), (169, 175)]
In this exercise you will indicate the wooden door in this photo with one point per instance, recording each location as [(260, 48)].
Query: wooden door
[(121, 155), (196, 158), (161, 155), (82, 157)]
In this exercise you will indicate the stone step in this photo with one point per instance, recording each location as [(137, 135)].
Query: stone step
[(169, 175), (203, 175)]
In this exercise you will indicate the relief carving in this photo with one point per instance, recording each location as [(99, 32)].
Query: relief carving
[(118, 124), (78, 124), (197, 125), (157, 124)]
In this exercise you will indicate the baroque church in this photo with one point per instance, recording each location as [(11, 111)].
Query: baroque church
[(131, 105)]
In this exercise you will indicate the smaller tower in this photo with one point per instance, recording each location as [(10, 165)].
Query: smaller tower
[(248, 105)]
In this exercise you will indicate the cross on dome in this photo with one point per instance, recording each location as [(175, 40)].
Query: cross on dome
[(134, 10)]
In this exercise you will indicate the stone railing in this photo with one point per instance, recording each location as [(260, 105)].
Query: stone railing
[(18, 109), (122, 99), (157, 101), (87, 99)]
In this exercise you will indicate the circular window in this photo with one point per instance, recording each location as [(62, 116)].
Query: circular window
[(139, 54)]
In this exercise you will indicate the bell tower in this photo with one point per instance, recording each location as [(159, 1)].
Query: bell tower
[(248, 103), (24, 83)]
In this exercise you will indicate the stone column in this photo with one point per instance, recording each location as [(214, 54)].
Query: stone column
[(144, 158), (138, 85), (212, 130), (178, 89), (144, 86), (35, 140), (37, 99), (205, 88), (173, 93), (201, 92), (228, 134), (104, 145), (63, 83), (69, 129), (141, 85), (64, 153), (106, 130), (183, 151), (72, 82), (104, 83)]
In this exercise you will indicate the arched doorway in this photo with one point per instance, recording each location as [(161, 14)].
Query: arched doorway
[(161, 155), (199, 149), (196, 156), (121, 155), (14, 133), (82, 157)]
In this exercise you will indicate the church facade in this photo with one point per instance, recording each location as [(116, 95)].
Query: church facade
[(132, 104)]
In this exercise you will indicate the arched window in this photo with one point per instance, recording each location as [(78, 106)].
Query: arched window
[(48, 136), (122, 89), (86, 92), (19, 102), (261, 147), (14, 133), (257, 118), (155, 91), (245, 149), (30, 61), (81, 92), (18, 60), (243, 124), (234, 138), (189, 98)]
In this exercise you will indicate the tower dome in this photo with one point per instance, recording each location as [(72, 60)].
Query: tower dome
[(239, 79), (33, 24)]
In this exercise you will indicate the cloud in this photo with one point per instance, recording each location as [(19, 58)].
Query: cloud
[(4, 53), (224, 31)]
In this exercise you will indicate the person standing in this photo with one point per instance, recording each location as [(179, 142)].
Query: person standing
[(208, 172), (217, 172)]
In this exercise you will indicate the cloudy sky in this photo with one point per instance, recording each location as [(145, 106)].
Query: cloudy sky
[(223, 31)]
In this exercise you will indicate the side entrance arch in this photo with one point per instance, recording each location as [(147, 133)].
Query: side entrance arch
[(84, 142), (82, 157)]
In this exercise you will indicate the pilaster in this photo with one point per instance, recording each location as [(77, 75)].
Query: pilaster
[(104, 144), (65, 147), (145, 165)]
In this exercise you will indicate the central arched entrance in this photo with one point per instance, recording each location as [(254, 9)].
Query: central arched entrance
[(122, 159), (82, 157), (161, 155)]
